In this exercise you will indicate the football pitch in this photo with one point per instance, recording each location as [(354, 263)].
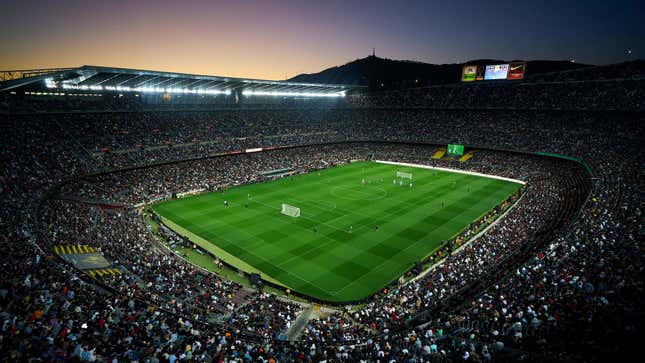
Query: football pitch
[(350, 239)]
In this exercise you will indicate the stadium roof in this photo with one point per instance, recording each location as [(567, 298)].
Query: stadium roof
[(98, 78)]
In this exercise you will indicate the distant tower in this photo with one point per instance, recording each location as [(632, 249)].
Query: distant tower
[(372, 70)]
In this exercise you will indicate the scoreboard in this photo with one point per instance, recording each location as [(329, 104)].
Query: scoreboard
[(496, 71), (507, 71), (454, 149)]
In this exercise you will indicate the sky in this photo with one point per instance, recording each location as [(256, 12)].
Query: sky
[(279, 39)]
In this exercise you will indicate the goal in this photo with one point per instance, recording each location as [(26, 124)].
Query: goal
[(290, 210), (403, 175)]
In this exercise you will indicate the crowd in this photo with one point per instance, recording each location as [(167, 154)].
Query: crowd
[(596, 95), (153, 274), (160, 137), (557, 278)]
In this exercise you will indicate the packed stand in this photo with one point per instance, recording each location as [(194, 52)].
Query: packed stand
[(570, 261)]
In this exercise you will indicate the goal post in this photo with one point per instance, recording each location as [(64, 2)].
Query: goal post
[(403, 175), (290, 210)]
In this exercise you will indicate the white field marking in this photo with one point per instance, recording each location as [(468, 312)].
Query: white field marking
[(352, 212), (381, 216), (285, 262), (383, 263), (332, 192), (330, 240), (269, 262), (419, 187), (199, 230), (345, 213), (451, 170), (414, 206), (440, 262), (209, 272), (438, 198), (321, 202), (359, 227), (407, 203), (307, 218), (313, 204)]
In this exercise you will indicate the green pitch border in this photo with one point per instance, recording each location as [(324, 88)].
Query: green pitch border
[(216, 251)]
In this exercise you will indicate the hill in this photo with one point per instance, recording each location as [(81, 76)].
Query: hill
[(374, 71)]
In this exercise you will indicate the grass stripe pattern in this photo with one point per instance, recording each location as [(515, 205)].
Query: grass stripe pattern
[(334, 250)]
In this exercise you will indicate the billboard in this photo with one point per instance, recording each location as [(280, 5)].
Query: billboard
[(455, 149), (516, 70), (512, 71), (496, 71), (480, 73), (469, 73)]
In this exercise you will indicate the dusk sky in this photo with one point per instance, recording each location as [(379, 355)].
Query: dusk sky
[(280, 39)]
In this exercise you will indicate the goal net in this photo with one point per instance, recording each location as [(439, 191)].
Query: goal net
[(403, 175), (290, 210)]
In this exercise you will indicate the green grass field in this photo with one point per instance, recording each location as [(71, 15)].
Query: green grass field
[(333, 264)]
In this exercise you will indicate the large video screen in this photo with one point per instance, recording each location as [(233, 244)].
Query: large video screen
[(469, 73), (516, 70), (454, 149), (496, 71), (512, 71)]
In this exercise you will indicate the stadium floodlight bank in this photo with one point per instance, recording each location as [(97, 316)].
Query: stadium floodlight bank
[(109, 79), (290, 210), (403, 175)]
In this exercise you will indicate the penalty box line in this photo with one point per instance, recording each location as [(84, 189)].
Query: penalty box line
[(330, 240)]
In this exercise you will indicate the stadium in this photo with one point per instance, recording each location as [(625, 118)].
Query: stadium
[(328, 220), (490, 212)]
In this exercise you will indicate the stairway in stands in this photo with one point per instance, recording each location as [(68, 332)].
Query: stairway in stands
[(439, 153), (298, 326), (467, 156), (73, 249)]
